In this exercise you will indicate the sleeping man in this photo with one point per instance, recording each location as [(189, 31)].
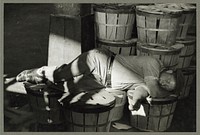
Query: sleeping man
[(100, 68)]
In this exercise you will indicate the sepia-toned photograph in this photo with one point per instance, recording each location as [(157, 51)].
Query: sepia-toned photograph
[(99, 67)]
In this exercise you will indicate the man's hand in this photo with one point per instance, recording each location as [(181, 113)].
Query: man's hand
[(134, 105), (34, 76), (136, 96)]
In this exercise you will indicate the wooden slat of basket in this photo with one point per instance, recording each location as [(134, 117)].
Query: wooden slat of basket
[(172, 34), (185, 27), (77, 118), (180, 62), (101, 18), (141, 20), (154, 121), (142, 122), (166, 59), (125, 50), (190, 49), (163, 123), (90, 119), (151, 23), (175, 60), (111, 30), (104, 117), (187, 23), (121, 31), (182, 18), (77, 128), (162, 35)]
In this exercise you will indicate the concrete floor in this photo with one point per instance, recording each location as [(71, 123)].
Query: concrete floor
[(26, 30)]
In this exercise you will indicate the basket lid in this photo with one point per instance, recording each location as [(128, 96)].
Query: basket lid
[(115, 8), (92, 101), (159, 9), (175, 49), (185, 7)]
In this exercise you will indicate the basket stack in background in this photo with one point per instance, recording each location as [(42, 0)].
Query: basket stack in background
[(163, 33), (115, 30)]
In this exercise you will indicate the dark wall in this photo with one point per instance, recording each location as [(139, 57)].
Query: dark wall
[(26, 33)]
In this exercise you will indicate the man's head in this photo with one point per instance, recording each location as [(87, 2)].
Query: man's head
[(171, 80)]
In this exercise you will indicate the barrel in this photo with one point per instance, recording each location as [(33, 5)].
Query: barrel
[(156, 117), (189, 74), (44, 103), (89, 111), (114, 23), (189, 12), (187, 51), (156, 25), (168, 55), (127, 47), (120, 97)]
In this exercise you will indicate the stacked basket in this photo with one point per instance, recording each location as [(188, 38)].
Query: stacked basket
[(162, 29), (114, 25), (162, 33), (188, 52)]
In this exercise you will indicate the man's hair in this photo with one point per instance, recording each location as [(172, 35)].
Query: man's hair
[(179, 79)]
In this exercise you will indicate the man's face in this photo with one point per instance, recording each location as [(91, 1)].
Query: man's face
[(167, 81)]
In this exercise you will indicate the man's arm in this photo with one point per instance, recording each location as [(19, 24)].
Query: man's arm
[(155, 90)]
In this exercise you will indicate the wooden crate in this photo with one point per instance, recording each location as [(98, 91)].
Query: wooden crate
[(114, 24), (155, 117), (69, 36)]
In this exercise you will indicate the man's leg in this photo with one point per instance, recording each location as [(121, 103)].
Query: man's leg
[(83, 64)]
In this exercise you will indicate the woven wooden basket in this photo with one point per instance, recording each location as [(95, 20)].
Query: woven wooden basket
[(189, 74), (44, 103), (114, 24), (155, 117), (187, 51), (157, 26), (168, 55), (89, 111)]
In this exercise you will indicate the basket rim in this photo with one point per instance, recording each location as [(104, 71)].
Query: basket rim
[(152, 49), (81, 106), (124, 43), (38, 89), (161, 14), (188, 40)]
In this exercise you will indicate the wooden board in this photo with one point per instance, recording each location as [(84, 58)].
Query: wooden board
[(69, 36)]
